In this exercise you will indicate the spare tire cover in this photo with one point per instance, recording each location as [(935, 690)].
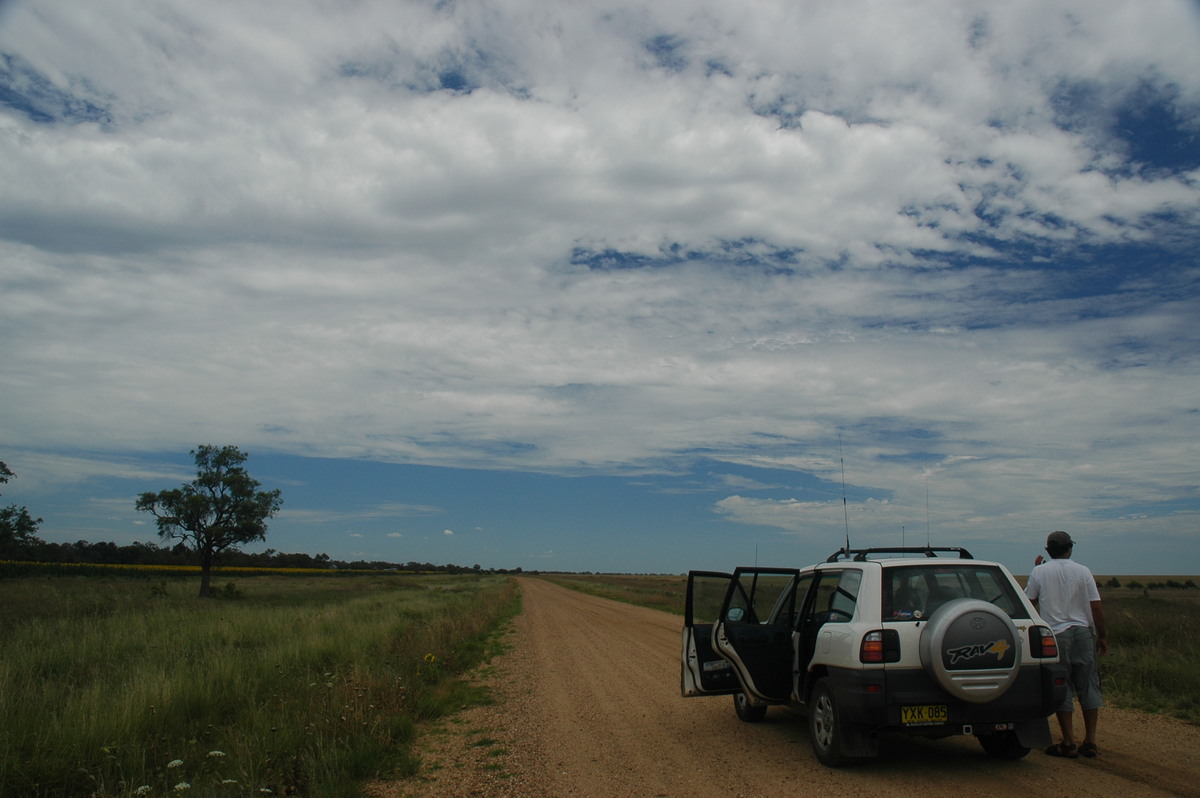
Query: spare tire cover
[(972, 649)]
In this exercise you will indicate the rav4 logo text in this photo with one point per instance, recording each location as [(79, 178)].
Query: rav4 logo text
[(997, 647)]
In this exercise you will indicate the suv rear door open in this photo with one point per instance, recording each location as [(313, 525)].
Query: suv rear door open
[(702, 670), (754, 632)]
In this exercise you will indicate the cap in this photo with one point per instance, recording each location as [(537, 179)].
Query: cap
[(1060, 539)]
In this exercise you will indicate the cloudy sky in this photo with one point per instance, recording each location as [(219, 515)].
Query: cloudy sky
[(610, 286)]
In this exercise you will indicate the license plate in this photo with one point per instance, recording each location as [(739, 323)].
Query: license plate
[(924, 715)]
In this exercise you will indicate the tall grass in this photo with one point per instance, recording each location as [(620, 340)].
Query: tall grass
[(124, 686), (1154, 659)]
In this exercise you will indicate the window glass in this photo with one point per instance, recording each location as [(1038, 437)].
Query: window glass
[(708, 593), (803, 585), (836, 596), (912, 593), (759, 598)]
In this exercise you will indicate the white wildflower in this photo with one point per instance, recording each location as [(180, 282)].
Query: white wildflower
[(181, 786), (216, 754), (174, 763), (145, 789)]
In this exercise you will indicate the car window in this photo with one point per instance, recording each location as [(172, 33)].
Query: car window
[(708, 594), (803, 585), (836, 596), (758, 598), (912, 593)]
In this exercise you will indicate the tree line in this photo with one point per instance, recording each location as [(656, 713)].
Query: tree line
[(208, 517), (137, 553)]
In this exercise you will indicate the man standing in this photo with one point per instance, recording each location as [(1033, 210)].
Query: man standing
[(1066, 596)]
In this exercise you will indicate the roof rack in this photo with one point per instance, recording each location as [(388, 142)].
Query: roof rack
[(861, 555)]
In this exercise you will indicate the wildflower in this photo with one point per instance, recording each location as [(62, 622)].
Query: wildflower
[(181, 786), (216, 754), (229, 781), (430, 658), (143, 790), (174, 763)]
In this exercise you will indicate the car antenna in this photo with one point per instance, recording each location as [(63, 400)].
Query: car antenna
[(845, 512), (927, 509)]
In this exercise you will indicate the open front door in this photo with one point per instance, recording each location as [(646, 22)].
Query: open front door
[(754, 632), (702, 670)]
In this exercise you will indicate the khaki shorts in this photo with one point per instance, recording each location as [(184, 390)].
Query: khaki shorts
[(1077, 653)]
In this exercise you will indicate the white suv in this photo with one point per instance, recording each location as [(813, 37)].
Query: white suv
[(919, 641)]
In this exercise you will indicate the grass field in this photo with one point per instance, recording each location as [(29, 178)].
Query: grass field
[(121, 686), (128, 686), (1154, 635)]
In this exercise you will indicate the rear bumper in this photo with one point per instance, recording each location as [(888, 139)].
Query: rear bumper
[(873, 698)]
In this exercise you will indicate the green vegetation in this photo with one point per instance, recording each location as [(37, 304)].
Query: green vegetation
[(17, 527), (657, 592), (1154, 650), (123, 686), (1153, 630), (220, 508)]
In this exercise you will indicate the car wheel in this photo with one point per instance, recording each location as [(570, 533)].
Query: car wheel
[(1003, 745), (972, 649), (825, 726), (747, 712)]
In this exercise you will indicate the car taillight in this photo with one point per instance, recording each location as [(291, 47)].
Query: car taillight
[(882, 645), (871, 649), (1042, 643)]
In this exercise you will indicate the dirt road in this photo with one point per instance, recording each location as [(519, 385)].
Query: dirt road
[(588, 705)]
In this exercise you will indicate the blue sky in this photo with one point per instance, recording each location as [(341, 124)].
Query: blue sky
[(610, 286)]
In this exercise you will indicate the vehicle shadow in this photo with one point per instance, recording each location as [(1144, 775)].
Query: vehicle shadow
[(898, 754)]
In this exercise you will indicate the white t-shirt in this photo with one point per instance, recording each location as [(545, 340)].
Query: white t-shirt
[(1064, 591)]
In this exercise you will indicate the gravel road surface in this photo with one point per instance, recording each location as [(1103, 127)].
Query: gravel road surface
[(588, 704)]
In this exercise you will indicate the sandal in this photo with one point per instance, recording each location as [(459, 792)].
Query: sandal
[(1089, 750), (1063, 750)]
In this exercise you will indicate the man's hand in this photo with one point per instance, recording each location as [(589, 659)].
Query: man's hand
[(1039, 560)]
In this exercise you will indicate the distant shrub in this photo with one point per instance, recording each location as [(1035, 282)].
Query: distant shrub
[(1135, 584)]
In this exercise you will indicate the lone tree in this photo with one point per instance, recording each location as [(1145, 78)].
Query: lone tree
[(18, 529), (221, 507)]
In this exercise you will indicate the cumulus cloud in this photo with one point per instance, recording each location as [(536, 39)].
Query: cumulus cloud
[(789, 514), (589, 238)]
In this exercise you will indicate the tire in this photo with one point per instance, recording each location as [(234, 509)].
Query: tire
[(971, 648), (747, 712), (825, 726), (1003, 745)]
